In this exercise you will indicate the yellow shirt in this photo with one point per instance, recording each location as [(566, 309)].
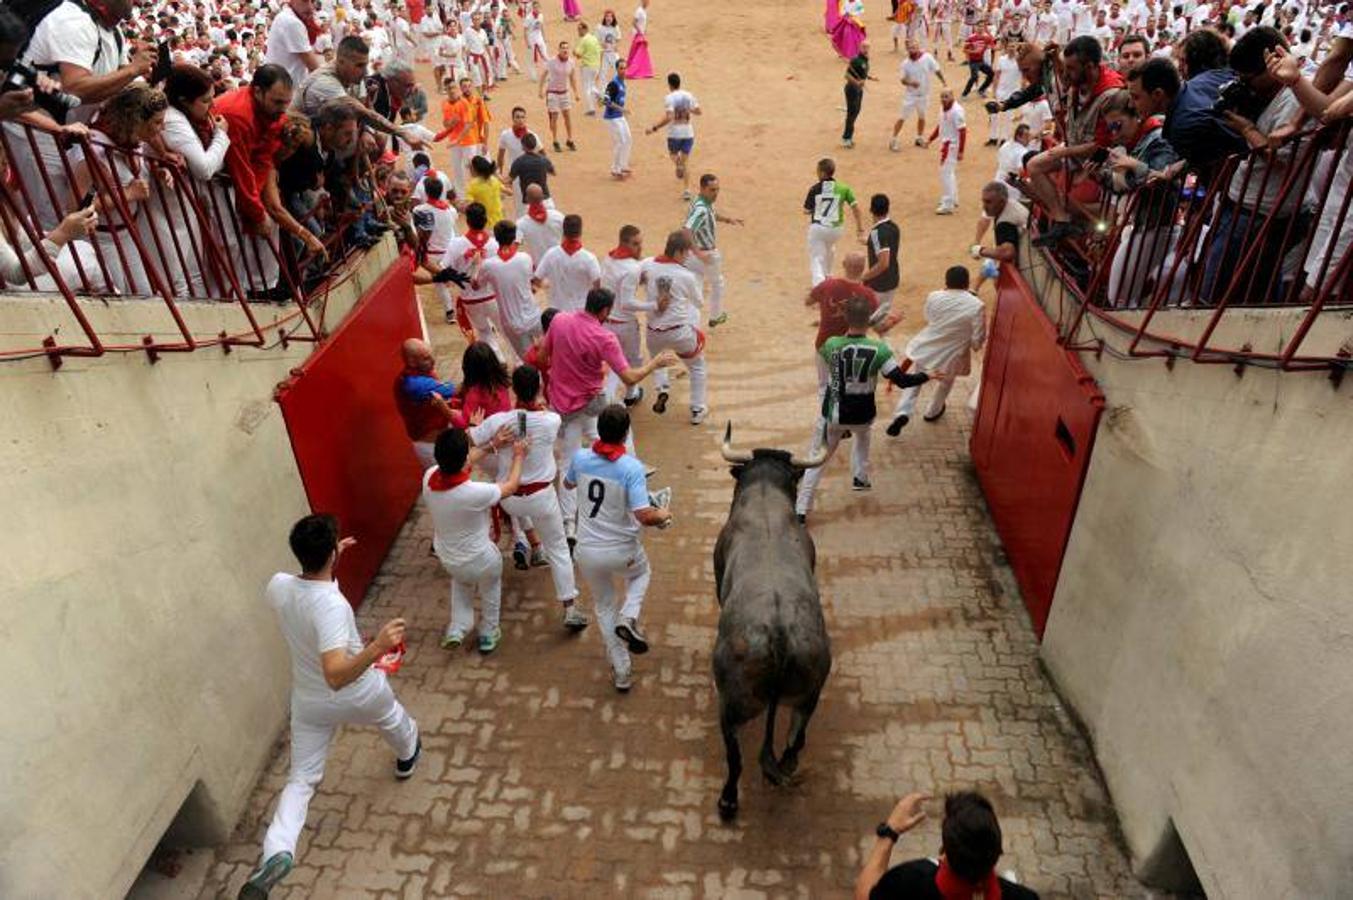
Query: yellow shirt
[(489, 193)]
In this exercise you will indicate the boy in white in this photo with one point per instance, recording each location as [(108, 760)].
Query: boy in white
[(533, 30), (955, 325), (620, 275), (461, 512), (568, 269), (952, 132), (673, 299), (332, 683), (438, 215), (450, 54), (613, 503), (509, 273), (916, 71), (542, 227), (476, 53), (466, 254), (535, 503)]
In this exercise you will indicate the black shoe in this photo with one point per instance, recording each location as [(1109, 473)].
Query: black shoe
[(660, 405), (913, 379), (570, 145), (859, 484), (572, 545), (803, 519), (404, 767), (637, 398), (520, 558), (557, 148), (847, 435), (450, 317), (628, 631), (1058, 232), (896, 425), (936, 417)]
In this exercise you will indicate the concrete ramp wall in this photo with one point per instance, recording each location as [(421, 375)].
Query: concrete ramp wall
[(144, 507), (1202, 625)]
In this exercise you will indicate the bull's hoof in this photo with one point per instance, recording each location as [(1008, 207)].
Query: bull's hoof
[(728, 809)]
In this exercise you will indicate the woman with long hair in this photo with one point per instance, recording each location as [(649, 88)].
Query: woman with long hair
[(608, 32), (202, 139), (485, 386), (639, 64)]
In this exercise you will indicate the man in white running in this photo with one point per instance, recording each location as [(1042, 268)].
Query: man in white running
[(466, 254), (332, 684), (916, 71), (510, 149), (673, 300), (542, 227), (569, 270), (678, 109), (620, 276), (825, 207), (434, 219), (533, 32), (613, 504), (705, 260), (509, 273), (461, 513), (535, 503), (952, 132)]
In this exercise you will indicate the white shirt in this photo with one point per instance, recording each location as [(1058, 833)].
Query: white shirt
[(1008, 76), (952, 121), (287, 40), (449, 49), (443, 225), (68, 35), (661, 278), (621, 278), (608, 495), (538, 237), (460, 520), (570, 276), (475, 43), (456, 257), (533, 27), (1037, 115), (420, 192), (920, 71), (315, 618), (511, 281), (682, 106), (542, 429), (1010, 160), (511, 145), (955, 326)]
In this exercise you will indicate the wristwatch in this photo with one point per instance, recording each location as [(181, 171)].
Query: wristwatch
[(887, 831)]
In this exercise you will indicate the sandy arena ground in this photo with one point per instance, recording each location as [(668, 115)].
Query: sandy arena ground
[(537, 779)]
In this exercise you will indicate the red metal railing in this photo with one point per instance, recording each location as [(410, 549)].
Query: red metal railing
[(177, 239), (1257, 231)]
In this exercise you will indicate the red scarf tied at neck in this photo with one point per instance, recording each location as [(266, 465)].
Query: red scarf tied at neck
[(538, 212), (951, 887), (622, 252), (571, 245), (478, 240), (519, 132), (506, 253), (440, 481), (609, 451)]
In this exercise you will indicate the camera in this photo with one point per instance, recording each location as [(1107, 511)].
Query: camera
[(1235, 96), (21, 76)]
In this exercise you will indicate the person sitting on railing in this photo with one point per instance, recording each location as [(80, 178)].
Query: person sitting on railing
[(1088, 82), (1134, 116), (1330, 187), (201, 138), (1256, 200)]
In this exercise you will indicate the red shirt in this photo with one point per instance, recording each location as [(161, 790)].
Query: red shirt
[(831, 296), (253, 144), (975, 46), (477, 398)]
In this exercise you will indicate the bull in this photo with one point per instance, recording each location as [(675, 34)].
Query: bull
[(772, 646)]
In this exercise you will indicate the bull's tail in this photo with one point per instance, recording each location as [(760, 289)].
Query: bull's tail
[(770, 767)]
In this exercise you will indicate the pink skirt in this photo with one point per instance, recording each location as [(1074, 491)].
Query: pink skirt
[(832, 15), (572, 9), (638, 65), (847, 37)]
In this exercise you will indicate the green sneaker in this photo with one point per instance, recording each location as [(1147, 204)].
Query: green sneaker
[(489, 641), (273, 870), (452, 639), (718, 320)]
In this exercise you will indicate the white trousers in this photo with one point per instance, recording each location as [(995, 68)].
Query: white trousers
[(312, 729), (482, 575), (520, 341), (885, 305), (578, 427), (821, 249), (621, 144), (628, 335), (682, 340), (600, 567), (711, 275), (589, 88), (859, 460), (460, 166), (949, 177), (906, 404), (542, 510), (484, 316), (1137, 260)]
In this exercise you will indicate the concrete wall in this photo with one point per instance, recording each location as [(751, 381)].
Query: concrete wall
[(1202, 625), (144, 507)]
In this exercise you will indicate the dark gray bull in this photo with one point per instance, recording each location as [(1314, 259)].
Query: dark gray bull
[(772, 646)]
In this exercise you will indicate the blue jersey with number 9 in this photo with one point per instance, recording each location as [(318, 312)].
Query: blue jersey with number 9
[(608, 493)]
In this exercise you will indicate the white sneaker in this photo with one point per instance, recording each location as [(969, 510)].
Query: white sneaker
[(894, 146), (624, 679), (944, 210), (699, 414), (575, 620), (662, 499)]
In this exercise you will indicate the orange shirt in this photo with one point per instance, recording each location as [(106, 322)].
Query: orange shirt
[(480, 115), (456, 115)]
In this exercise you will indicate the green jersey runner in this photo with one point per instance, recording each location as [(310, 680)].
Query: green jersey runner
[(854, 364)]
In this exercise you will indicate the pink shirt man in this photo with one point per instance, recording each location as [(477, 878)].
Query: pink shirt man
[(578, 346)]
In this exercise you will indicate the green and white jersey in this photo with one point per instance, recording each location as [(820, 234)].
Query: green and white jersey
[(854, 365), (700, 220), (827, 201)]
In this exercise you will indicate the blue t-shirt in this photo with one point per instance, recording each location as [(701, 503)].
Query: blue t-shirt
[(615, 100), (608, 494), (1193, 128)]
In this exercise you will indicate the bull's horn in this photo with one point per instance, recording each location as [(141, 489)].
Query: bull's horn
[(817, 459), (727, 448)]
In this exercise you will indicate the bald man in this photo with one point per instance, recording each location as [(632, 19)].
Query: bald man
[(542, 227), (422, 400), (831, 296)]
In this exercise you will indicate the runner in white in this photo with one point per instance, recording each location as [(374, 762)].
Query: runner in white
[(438, 215), (952, 132), (620, 276), (509, 273), (569, 270), (466, 254), (533, 30), (510, 149), (613, 504), (916, 72), (706, 261), (672, 300), (542, 227)]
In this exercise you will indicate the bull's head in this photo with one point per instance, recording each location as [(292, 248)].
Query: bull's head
[(763, 461)]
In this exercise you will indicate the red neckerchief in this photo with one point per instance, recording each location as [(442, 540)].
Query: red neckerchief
[(571, 245), (439, 204), (610, 451), (531, 407), (622, 252), (538, 212), (1150, 124), (665, 259), (478, 240), (506, 253), (432, 173), (440, 481), (951, 887), (519, 133)]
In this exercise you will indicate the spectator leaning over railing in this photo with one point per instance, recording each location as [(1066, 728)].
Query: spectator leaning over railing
[(345, 79), (201, 138), (1264, 113), (1086, 82), (1194, 128), (1332, 177)]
